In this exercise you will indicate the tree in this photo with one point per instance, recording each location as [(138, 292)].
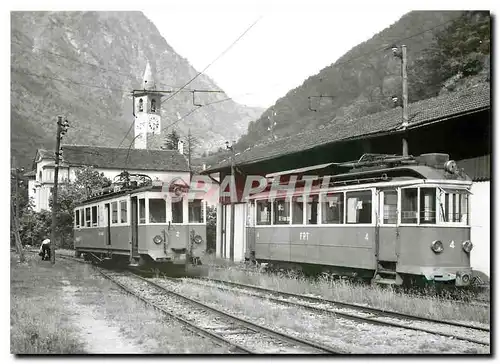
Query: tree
[(458, 51), (172, 140), (211, 228), (86, 180), (192, 142)]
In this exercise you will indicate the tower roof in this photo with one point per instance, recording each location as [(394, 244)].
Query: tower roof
[(148, 83)]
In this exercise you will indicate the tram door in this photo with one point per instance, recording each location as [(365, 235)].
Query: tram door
[(107, 220), (250, 231), (134, 227), (387, 232)]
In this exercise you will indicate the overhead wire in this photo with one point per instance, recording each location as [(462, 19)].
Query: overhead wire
[(215, 60)]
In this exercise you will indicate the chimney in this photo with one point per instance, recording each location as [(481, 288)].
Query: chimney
[(180, 146)]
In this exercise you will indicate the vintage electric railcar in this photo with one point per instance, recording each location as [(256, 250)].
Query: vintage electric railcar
[(142, 224), (388, 219)]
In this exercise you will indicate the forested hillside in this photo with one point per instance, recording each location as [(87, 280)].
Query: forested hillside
[(446, 50)]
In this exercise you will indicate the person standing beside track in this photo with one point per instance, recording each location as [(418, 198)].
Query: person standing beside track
[(45, 250)]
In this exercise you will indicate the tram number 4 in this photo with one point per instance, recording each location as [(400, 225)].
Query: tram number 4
[(304, 236), (452, 244)]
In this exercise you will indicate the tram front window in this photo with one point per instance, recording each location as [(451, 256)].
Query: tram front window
[(409, 206), (157, 210), (427, 205), (142, 211), (390, 207), (177, 212), (196, 211)]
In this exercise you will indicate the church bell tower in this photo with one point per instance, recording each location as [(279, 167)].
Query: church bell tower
[(147, 111)]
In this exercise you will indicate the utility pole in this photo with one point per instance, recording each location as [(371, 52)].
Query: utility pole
[(233, 179), (405, 98), (62, 128), (402, 54), (189, 151), (15, 213)]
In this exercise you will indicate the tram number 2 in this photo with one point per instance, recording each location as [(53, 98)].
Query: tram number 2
[(452, 244), (303, 236)]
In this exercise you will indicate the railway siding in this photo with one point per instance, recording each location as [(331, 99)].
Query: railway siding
[(474, 333), (326, 327)]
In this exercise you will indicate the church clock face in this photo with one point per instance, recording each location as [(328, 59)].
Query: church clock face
[(154, 124)]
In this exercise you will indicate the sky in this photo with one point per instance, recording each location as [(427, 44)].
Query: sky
[(290, 41)]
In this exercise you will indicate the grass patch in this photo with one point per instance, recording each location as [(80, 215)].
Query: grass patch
[(387, 298), (39, 320)]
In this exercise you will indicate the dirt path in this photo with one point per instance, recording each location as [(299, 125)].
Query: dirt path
[(101, 336)]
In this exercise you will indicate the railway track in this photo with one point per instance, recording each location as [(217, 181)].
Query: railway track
[(471, 333), (238, 334), (225, 329), (245, 335)]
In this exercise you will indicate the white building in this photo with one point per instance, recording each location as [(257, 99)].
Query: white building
[(162, 164)]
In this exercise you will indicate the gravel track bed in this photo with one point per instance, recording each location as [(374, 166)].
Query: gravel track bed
[(448, 330), (328, 328), (234, 332)]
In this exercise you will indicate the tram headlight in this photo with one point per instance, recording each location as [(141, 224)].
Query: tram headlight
[(198, 239), (158, 239), (437, 246), (467, 246)]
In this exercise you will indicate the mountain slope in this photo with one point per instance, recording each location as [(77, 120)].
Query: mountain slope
[(359, 83), (83, 65)]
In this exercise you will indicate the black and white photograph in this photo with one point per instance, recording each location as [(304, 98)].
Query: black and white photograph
[(306, 178)]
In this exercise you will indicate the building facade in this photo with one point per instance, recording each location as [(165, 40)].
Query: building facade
[(165, 165)]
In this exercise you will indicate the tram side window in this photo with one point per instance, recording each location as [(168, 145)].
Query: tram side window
[(359, 207), (409, 206), (94, 215), (263, 212), (297, 210), (312, 210), (157, 210), (195, 209), (82, 218), (427, 205), (177, 211), (77, 218), (281, 208), (142, 211), (123, 212), (114, 212), (390, 207), (332, 209), (87, 216), (456, 207)]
